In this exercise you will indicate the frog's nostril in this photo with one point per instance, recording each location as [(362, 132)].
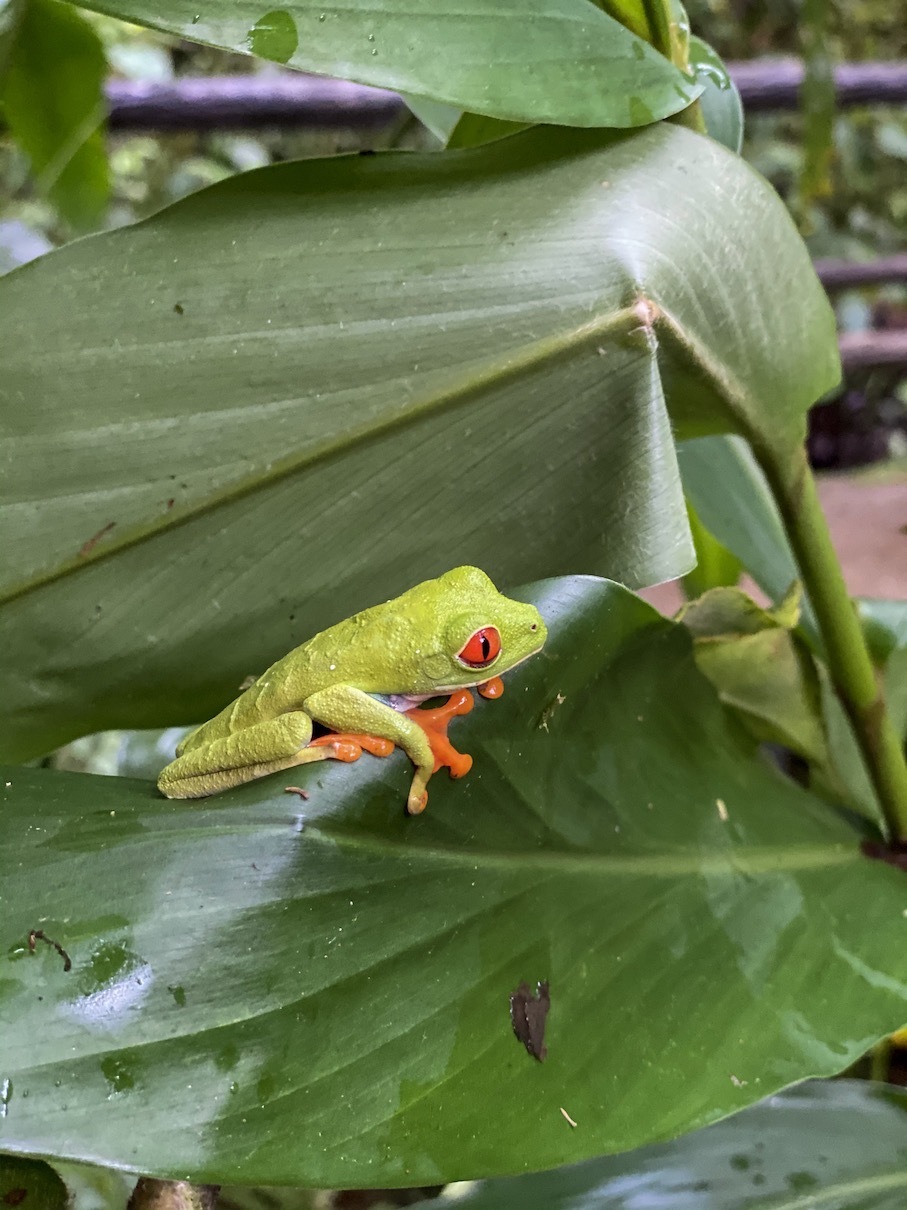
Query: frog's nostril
[(534, 626)]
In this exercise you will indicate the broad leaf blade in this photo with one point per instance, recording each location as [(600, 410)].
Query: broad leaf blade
[(309, 387), (562, 61), (273, 990)]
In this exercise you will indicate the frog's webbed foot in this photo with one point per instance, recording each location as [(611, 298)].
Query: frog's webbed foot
[(435, 723), (349, 746)]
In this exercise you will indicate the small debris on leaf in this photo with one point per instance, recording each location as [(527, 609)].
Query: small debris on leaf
[(247, 683), (737, 1082), (568, 1117), (296, 790), (549, 710), (528, 1014), (722, 810), (87, 547), (37, 935)]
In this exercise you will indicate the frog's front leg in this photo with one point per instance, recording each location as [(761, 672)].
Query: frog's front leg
[(435, 721), (233, 759), (349, 710)]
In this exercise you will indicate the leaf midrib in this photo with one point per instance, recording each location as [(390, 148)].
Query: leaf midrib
[(510, 367), (746, 860)]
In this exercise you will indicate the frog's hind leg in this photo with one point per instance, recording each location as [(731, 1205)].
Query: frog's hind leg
[(232, 760)]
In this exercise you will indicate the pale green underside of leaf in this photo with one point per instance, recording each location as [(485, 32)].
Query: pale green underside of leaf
[(273, 990), (307, 388), (562, 61)]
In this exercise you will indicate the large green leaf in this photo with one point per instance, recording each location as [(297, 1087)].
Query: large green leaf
[(306, 388), (266, 989), (51, 95), (838, 1146), (561, 61)]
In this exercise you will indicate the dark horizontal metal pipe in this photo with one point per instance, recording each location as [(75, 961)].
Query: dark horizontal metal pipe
[(293, 99), (767, 84), (869, 350), (843, 274), (248, 103)]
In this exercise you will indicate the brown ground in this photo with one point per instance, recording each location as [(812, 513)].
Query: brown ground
[(867, 513)]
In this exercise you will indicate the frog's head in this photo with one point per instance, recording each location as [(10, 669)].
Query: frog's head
[(482, 633)]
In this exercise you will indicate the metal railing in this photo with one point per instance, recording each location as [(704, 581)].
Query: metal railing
[(294, 100)]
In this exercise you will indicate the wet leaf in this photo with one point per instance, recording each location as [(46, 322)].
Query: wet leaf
[(562, 61), (269, 990)]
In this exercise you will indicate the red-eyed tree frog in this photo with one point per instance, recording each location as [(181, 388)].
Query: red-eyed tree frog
[(365, 679)]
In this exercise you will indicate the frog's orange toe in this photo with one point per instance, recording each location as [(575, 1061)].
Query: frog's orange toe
[(341, 749), (349, 747), (460, 765), (492, 688)]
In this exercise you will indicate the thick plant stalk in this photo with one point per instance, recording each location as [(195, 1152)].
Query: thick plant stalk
[(849, 663)]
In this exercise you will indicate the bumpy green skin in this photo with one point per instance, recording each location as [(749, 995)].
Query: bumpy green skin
[(406, 649)]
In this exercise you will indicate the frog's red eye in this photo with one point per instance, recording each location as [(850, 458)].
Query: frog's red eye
[(482, 648)]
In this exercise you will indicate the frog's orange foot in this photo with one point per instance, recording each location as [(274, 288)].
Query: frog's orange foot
[(491, 689), (439, 718), (435, 723), (350, 746)]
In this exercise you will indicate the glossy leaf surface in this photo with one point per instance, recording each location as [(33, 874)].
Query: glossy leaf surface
[(268, 990), (309, 387), (838, 1146), (561, 61), (722, 108)]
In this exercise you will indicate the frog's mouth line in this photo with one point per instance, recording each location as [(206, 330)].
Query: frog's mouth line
[(487, 674)]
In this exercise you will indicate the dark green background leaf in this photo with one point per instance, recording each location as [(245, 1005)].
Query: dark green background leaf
[(716, 566), (28, 1183), (271, 990), (309, 387), (720, 102), (733, 501), (838, 1146), (52, 98)]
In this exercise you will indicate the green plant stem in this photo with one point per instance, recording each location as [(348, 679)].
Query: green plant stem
[(848, 658)]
